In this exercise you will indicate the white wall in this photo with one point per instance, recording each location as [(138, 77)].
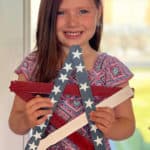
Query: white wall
[(12, 45)]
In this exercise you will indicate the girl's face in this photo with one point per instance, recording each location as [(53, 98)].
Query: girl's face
[(76, 22)]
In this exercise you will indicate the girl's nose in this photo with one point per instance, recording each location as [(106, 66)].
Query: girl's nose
[(72, 20)]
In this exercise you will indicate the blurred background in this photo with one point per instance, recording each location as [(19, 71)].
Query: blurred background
[(126, 35)]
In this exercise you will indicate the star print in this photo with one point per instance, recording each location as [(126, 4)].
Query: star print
[(42, 126), (68, 67), (88, 103), (80, 68), (56, 89), (98, 141), (63, 77), (93, 128), (32, 146), (50, 115), (53, 100), (83, 86), (37, 135), (76, 54)]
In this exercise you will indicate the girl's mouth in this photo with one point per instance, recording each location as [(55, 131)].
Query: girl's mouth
[(73, 35)]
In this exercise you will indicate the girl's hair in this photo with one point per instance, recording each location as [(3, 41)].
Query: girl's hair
[(49, 53)]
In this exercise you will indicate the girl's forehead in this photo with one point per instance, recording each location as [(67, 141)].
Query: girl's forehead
[(77, 3)]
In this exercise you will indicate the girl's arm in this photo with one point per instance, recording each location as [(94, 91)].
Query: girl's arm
[(23, 115), (117, 123)]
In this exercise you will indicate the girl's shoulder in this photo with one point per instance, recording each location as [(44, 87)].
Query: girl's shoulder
[(116, 72), (27, 66)]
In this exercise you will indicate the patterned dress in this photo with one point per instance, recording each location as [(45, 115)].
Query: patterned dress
[(106, 71)]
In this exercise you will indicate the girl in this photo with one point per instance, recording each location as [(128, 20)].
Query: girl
[(61, 24)]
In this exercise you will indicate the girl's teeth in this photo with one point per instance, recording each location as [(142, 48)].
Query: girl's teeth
[(73, 33)]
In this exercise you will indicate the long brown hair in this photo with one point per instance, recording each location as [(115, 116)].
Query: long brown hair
[(49, 53)]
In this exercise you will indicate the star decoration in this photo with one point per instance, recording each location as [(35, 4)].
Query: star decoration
[(42, 126), (93, 128), (80, 68), (73, 61), (83, 86), (63, 77), (37, 135), (98, 141), (32, 146), (53, 100), (88, 103), (50, 115), (76, 54), (56, 89), (68, 67)]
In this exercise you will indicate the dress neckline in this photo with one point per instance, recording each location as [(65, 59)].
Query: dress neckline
[(97, 61)]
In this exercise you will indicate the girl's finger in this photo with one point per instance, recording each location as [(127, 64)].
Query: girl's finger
[(101, 121), (103, 113), (37, 100), (40, 113), (41, 120), (41, 106)]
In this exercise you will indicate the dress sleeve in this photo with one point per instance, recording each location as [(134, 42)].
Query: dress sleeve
[(116, 72), (27, 66)]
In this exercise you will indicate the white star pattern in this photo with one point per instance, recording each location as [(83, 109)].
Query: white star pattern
[(42, 126), (50, 115), (32, 146), (68, 67), (93, 128), (83, 86), (37, 135), (56, 89), (53, 100), (98, 141), (80, 68), (63, 77), (76, 54), (88, 103)]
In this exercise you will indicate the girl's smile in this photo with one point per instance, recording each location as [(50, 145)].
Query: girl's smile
[(73, 34)]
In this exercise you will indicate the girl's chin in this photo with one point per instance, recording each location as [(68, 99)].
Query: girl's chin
[(68, 44), (71, 44)]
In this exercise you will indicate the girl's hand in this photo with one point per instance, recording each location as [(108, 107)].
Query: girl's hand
[(37, 110), (103, 117)]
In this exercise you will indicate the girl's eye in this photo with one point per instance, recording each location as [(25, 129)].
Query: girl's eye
[(60, 13), (83, 11)]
